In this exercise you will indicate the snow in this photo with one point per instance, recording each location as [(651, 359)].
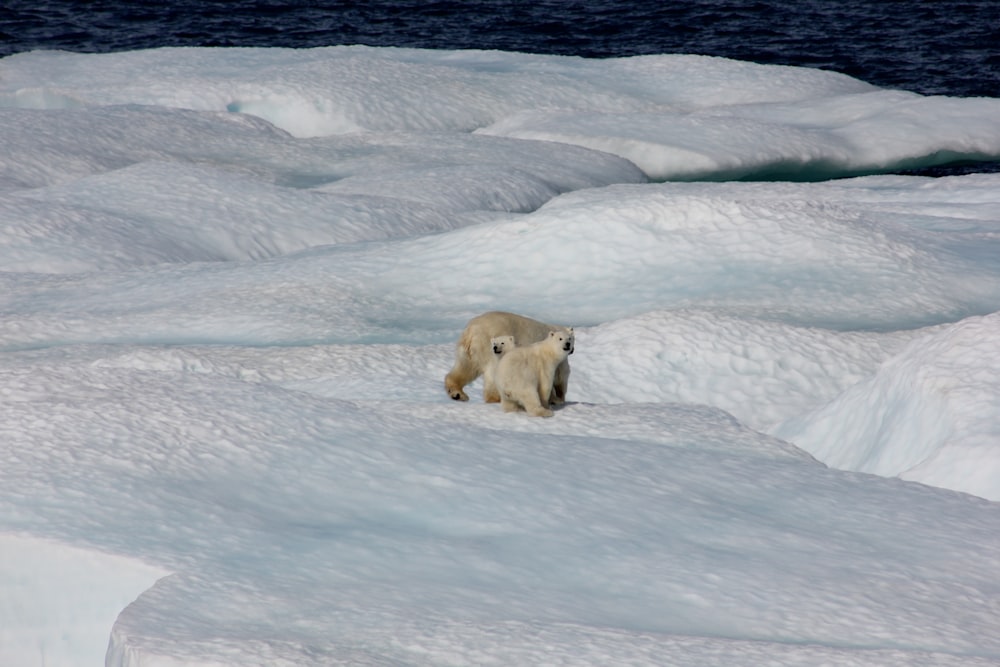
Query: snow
[(230, 289), (928, 413), (801, 140)]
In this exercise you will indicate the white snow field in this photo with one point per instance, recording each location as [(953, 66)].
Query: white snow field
[(231, 281)]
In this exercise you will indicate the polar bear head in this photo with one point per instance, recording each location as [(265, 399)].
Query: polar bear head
[(502, 344), (564, 339)]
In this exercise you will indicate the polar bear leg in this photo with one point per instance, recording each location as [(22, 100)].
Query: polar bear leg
[(462, 373), (509, 405), (559, 386), (490, 392), (538, 411), (534, 406)]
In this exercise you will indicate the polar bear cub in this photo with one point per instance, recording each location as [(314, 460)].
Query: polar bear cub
[(474, 354), (501, 345), (525, 376)]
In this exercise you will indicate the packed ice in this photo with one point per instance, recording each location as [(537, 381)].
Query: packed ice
[(231, 282)]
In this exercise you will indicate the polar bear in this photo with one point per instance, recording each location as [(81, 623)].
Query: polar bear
[(474, 354), (501, 345), (525, 376)]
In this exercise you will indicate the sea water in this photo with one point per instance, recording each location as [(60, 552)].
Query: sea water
[(925, 47)]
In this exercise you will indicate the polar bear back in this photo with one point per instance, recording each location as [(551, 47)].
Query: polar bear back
[(499, 323)]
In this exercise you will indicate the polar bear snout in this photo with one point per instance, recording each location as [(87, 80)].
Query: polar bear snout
[(497, 349), (568, 347)]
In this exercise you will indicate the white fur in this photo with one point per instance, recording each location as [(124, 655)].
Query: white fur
[(525, 376), (474, 354)]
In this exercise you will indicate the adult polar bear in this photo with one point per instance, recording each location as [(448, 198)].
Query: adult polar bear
[(474, 353), (525, 375)]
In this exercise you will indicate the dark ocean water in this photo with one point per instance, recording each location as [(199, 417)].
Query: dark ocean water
[(926, 46)]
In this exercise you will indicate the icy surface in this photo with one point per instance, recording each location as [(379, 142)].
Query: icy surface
[(928, 414), (230, 289), (59, 602)]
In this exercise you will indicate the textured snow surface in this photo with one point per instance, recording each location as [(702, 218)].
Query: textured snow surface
[(231, 281)]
